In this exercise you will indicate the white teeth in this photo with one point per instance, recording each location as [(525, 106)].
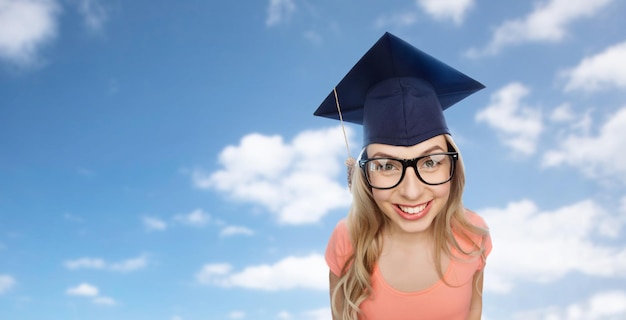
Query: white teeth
[(413, 210)]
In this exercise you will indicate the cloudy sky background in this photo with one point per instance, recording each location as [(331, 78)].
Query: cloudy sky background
[(161, 160)]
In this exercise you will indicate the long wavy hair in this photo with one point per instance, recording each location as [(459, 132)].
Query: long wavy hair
[(366, 223)]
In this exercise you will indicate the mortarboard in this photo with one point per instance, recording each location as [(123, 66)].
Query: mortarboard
[(398, 93)]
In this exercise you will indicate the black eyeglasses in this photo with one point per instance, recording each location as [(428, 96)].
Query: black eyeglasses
[(432, 169)]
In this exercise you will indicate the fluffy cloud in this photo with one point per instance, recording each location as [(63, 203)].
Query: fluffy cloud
[(278, 11), (601, 71), (397, 20), (562, 114), (105, 301), (523, 235), (88, 290), (601, 306), (154, 224), (130, 264), (97, 263), (235, 230), (237, 315), (308, 272), (6, 283), (548, 22), (25, 26), (597, 156), (316, 314), (93, 12), (454, 10), (87, 263), (518, 125), (83, 289), (196, 218), (296, 181)]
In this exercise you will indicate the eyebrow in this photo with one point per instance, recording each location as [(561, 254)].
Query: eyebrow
[(426, 152)]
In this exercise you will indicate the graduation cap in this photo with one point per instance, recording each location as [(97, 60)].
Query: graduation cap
[(398, 93)]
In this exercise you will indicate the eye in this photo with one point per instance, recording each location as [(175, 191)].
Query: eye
[(432, 162), (384, 165)]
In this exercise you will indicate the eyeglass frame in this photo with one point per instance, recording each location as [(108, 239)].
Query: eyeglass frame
[(410, 163)]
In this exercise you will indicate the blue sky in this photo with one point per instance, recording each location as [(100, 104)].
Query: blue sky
[(160, 160)]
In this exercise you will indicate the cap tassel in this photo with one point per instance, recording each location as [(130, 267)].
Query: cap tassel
[(350, 162)]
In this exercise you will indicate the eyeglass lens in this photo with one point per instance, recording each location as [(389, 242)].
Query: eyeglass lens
[(388, 172)]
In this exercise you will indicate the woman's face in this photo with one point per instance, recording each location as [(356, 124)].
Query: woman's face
[(411, 205)]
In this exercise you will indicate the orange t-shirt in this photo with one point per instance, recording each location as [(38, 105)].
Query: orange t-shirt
[(440, 301)]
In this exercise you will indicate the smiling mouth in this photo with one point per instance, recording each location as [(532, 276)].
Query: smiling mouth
[(414, 209)]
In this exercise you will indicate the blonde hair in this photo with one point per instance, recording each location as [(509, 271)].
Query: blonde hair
[(365, 224)]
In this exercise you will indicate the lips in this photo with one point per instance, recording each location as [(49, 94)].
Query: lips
[(413, 210), (412, 213)]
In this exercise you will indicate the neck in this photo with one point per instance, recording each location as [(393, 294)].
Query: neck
[(400, 237)]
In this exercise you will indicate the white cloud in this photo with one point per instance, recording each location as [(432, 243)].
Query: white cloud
[(279, 11), (313, 37), (597, 156), (284, 315), (130, 264), (6, 283), (518, 125), (316, 314), (93, 12), (154, 224), (599, 72), (562, 113), (236, 230), (196, 218), (295, 181), (237, 315), (308, 272), (87, 263), (97, 263), (548, 22), (88, 290), (83, 289), (454, 10), (607, 305), (25, 26), (569, 122), (442, 10), (210, 271), (562, 239), (106, 301), (401, 19)]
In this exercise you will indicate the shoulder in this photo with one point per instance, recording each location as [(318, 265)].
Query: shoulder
[(339, 247), (472, 233), (342, 226), (340, 236), (483, 239), (475, 219)]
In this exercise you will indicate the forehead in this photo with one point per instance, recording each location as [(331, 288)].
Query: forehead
[(434, 144)]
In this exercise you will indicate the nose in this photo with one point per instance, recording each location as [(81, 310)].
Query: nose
[(411, 187)]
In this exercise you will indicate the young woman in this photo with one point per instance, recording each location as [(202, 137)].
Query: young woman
[(408, 248)]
